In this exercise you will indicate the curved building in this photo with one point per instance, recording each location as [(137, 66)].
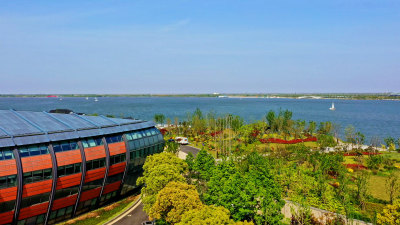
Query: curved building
[(56, 166)]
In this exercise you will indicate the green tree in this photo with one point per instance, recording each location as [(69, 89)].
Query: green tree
[(360, 138), (190, 161), (236, 123), (361, 180), (204, 164), (172, 147), (271, 120), (390, 143), (174, 200), (350, 135), (209, 215), (158, 171), (159, 118), (392, 185), (398, 143), (374, 162), (326, 141), (249, 195), (312, 125)]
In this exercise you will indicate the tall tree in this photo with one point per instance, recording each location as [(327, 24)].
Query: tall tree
[(392, 185), (174, 200), (248, 195), (158, 171), (360, 138), (271, 119), (390, 143), (350, 134), (209, 215), (190, 161), (361, 181), (159, 118), (312, 125), (204, 164)]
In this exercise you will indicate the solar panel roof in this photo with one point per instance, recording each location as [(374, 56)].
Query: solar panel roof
[(26, 127)]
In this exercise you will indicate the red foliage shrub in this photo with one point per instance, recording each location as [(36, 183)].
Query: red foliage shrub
[(163, 131), (294, 141), (355, 166)]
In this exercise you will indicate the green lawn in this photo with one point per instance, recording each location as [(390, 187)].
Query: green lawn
[(102, 215)]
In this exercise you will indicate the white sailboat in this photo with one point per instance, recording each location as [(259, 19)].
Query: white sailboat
[(332, 107), (95, 99), (87, 98)]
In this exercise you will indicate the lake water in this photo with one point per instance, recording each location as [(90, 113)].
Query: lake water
[(373, 118)]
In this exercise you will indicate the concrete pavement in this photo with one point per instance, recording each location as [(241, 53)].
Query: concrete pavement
[(133, 216)]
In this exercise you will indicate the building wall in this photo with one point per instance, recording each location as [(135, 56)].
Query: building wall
[(85, 174)]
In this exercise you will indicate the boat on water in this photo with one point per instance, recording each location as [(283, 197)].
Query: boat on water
[(96, 100), (332, 107), (87, 98)]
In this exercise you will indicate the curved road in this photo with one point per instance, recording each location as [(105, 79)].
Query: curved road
[(136, 215)]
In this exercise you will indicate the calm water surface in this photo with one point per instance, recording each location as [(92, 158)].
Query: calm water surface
[(373, 118)]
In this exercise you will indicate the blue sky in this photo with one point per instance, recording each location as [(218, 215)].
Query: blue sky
[(203, 46)]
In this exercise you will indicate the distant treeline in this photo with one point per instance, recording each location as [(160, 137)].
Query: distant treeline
[(357, 96)]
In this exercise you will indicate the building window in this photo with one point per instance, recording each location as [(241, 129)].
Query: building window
[(148, 132), (92, 185), (61, 193), (36, 199), (37, 220), (38, 175), (115, 178), (134, 135), (154, 131), (69, 169), (95, 164), (33, 150), (114, 139), (7, 206), (65, 146), (6, 154), (92, 142), (8, 181), (60, 214), (117, 158)]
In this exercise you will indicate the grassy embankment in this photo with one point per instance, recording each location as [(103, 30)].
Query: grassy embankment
[(104, 214)]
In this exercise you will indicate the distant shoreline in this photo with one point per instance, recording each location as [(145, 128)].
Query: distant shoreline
[(344, 96)]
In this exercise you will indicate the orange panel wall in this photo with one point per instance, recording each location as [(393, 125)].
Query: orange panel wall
[(33, 210), (6, 217), (116, 168), (116, 148), (68, 157), (38, 162), (95, 174), (69, 181), (64, 202), (8, 167), (111, 187), (90, 194), (8, 194), (95, 153), (37, 188)]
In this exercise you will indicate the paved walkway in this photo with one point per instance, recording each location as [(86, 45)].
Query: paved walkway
[(185, 149), (133, 216)]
